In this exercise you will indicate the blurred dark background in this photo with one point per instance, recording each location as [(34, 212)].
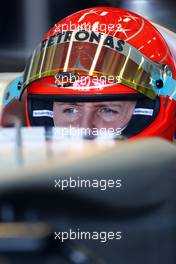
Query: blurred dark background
[(24, 22)]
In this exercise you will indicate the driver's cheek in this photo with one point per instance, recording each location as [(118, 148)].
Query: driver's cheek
[(74, 121), (66, 120), (100, 122)]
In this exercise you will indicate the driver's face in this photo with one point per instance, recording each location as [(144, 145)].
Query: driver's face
[(114, 114)]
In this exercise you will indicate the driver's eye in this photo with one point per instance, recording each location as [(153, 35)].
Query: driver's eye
[(70, 110), (107, 110)]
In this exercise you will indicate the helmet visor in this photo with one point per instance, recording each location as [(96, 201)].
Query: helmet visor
[(88, 53)]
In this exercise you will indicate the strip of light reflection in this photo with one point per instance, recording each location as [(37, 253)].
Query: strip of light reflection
[(97, 55), (124, 65), (68, 53)]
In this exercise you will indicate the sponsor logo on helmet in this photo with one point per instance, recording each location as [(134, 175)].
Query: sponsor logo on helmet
[(86, 36)]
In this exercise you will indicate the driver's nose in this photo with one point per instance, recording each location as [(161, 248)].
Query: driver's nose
[(86, 120)]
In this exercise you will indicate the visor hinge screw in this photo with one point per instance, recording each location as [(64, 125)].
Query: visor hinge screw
[(159, 84), (19, 86)]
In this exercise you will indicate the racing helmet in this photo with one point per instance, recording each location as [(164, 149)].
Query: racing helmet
[(102, 54)]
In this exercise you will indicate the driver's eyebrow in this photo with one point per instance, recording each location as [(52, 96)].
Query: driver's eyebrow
[(108, 105), (67, 103), (98, 104)]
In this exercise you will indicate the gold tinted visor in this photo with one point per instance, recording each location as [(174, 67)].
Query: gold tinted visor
[(88, 53)]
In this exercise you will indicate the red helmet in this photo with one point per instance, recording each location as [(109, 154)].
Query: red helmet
[(120, 54)]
